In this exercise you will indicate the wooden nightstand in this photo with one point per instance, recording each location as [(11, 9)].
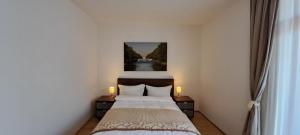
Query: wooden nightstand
[(186, 105), (103, 104)]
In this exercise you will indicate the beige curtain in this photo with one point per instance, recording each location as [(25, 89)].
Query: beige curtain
[(263, 17)]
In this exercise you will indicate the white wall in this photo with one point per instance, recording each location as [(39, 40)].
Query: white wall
[(224, 91), (48, 72), (51, 55), (183, 53)]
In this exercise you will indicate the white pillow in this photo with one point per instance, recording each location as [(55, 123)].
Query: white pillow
[(159, 91), (137, 90)]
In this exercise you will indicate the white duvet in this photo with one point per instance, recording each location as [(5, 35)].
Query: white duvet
[(144, 102)]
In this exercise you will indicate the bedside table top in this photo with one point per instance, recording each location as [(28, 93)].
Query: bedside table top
[(183, 99), (106, 98)]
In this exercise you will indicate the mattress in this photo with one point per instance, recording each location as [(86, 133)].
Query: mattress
[(144, 102)]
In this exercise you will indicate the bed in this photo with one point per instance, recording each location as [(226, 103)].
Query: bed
[(145, 115)]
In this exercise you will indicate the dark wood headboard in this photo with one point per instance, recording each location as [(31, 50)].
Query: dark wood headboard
[(156, 82)]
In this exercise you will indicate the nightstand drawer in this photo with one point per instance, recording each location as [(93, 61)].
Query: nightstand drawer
[(104, 105), (185, 105), (189, 113), (100, 113)]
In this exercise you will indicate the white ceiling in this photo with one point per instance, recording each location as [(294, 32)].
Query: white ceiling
[(187, 12)]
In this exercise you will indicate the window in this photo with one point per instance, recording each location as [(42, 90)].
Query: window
[(283, 94)]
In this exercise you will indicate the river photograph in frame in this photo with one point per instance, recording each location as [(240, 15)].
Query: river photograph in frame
[(145, 56)]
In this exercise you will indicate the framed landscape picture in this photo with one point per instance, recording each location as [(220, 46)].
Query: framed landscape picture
[(145, 56)]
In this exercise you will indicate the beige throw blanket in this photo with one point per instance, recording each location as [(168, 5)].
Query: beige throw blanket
[(145, 119)]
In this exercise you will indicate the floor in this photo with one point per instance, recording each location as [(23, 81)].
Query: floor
[(202, 124)]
